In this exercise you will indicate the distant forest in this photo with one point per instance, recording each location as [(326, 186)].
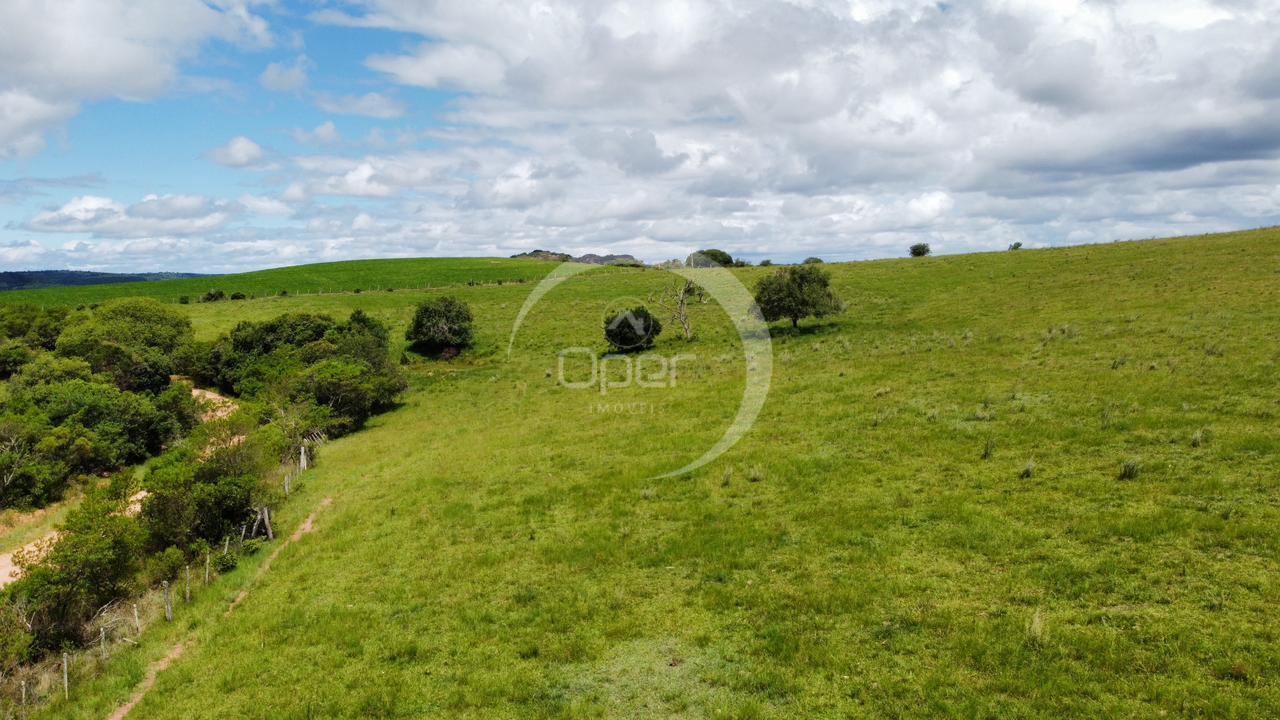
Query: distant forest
[(31, 279)]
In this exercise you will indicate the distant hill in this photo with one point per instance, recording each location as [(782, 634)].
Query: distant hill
[(33, 279), (589, 258)]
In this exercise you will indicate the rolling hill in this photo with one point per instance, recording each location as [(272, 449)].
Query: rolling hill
[(1028, 484)]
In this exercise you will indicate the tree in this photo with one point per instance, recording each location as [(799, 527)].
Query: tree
[(632, 330), (1016, 246), (795, 293), (710, 257), (675, 300), (813, 261), (920, 250), (766, 263), (441, 326)]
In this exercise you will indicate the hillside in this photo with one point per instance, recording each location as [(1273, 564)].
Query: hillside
[(34, 279), (1028, 484), (303, 279)]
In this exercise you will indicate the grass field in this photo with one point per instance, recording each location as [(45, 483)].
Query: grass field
[(1031, 484), (302, 279)]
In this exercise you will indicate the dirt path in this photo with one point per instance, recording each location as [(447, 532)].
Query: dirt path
[(9, 569), (148, 681), (159, 666)]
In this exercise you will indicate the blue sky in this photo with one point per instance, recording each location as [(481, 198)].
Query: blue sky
[(236, 134)]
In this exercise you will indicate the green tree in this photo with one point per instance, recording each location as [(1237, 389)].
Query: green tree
[(795, 293), (711, 257), (441, 326), (920, 249)]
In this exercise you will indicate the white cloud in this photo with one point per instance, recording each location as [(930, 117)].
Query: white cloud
[(325, 133), (239, 152), (154, 215), (56, 56), (374, 105), (286, 76)]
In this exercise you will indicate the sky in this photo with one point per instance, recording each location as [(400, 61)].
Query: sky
[(228, 135)]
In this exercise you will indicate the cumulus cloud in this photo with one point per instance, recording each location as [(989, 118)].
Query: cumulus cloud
[(286, 76), (154, 215), (374, 105), (239, 152), (56, 56), (325, 133)]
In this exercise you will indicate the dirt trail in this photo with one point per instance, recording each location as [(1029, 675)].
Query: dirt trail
[(148, 681), (303, 529), (162, 664)]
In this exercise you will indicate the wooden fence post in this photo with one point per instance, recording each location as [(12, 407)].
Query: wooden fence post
[(66, 682), (188, 592), (206, 568), (168, 606), (137, 622), (266, 514), (102, 641)]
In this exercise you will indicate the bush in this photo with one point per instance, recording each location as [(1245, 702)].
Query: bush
[(184, 299), (225, 562), (13, 355), (710, 257), (919, 250), (237, 296), (766, 263), (795, 293), (441, 326), (213, 296), (632, 330)]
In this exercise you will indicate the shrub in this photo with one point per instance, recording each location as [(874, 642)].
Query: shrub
[(766, 263), (441, 326), (632, 330), (225, 562), (795, 293), (13, 355), (710, 257), (213, 296), (1028, 470), (184, 299), (919, 250), (238, 296)]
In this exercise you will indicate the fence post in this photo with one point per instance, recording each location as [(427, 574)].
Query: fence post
[(137, 622), (188, 592), (102, 641), (66, 683), (168, 607), (266, 515), (206, 568)]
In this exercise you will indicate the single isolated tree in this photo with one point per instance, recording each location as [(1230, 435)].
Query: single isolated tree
[(710, 257), (675, 301), (795, 293), (632, 330), (1016, 246), (813, 261), (440, 327), (920, 250)]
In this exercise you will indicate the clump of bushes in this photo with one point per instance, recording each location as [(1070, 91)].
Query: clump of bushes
[(632, 330), (213, 296), (441, 327)]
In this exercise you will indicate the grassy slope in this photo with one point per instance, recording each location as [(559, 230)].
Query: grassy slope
[(321, 277), (495, 549)]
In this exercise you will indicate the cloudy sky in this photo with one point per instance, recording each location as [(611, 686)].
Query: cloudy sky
[(221, 135)]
